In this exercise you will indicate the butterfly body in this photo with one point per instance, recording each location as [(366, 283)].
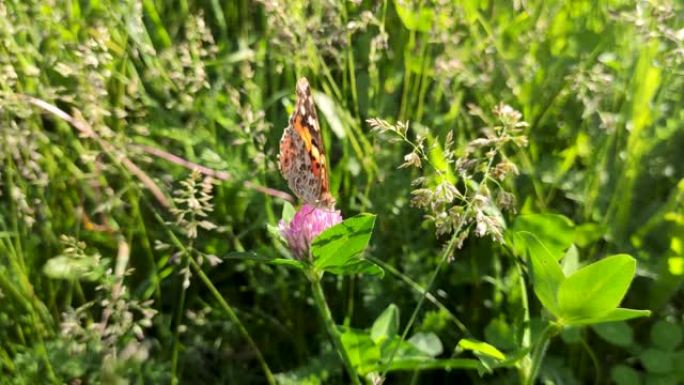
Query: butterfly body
[(302, 160)]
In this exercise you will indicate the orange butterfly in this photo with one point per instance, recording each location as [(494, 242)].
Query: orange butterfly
[(302, 154)]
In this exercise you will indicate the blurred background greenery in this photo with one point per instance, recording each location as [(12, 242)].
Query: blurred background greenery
[(105, 108)]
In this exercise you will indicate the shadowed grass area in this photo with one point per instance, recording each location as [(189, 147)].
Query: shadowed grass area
[(140, 194)]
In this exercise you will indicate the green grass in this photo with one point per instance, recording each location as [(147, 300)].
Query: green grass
[(106, 108)]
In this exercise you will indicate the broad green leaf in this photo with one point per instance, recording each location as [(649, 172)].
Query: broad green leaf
[(500, 333), (360, 266), (666, 335), (617, 333), (556, 232), (571, 335), (368, 356), (596, 289), (670, 378), (404, 349), (546, 273), (386, 325), (84, 268), (415, 20), (624, 375), (656, 360), (570, 262), (410, 357), (427, 343), (513, 359), (619, 314), (481, 348), (315, 371), (363, 352), (337, 249)]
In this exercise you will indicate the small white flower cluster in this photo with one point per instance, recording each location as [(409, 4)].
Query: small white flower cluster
[(117, 335), (476, 197), (193, 204)]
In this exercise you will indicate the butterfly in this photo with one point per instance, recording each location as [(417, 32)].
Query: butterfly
[(302, 155)]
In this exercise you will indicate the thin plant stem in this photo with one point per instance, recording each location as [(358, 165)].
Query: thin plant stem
[(412, 319), (176, 337), (526, 335), (538, 353), (233, 317), (222, 302), (594, 359), (324, 310), (445, 256), (415, 286)]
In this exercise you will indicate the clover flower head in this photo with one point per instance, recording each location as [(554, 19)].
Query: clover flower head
[(307, 223)]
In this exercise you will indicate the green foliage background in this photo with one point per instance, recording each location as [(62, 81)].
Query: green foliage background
[(90, 89)]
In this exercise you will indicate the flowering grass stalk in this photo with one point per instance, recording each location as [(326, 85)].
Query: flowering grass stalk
[(457, 210), (222, 302)]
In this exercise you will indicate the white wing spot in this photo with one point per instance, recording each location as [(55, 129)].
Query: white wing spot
[(312, 122)]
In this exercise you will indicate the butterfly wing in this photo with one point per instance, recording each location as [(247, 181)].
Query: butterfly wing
[(302, 153)]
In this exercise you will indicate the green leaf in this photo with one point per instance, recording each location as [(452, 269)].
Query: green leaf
[(415, 20), (571, 335), (619, 314), (315, 371), (617, 333), (666, 335), (252, 256), (427, 343), (428, 363), (481, 348), (624, 375), (570, 262), (663, 379), (546, 273), (499, 333), (288, 212), (367, 356), (361, 349), (555, 232), (360, 266), (596, 289), (337, 249), (386, 325), (656, 360)]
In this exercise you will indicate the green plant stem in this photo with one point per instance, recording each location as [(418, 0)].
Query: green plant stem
[(324, 310), (443, 259), (594, 360), (415, 286), (539, 352), (526, 333), (217, 296), (176, 337), (447, 252), (233, 317)]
